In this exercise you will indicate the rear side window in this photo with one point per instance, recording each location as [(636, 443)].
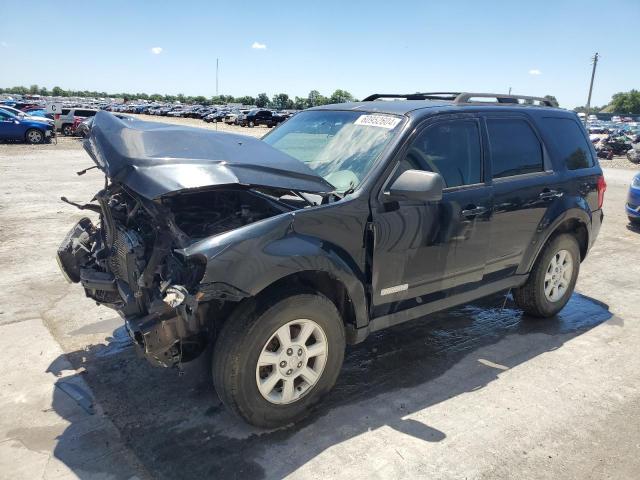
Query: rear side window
[(84, 113), (65, 111), (515, 148), (569, 141), (451, 149)]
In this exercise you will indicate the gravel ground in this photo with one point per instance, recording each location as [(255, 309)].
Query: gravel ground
[(619, 161)]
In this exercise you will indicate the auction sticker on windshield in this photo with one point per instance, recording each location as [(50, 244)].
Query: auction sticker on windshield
[(383, 121)]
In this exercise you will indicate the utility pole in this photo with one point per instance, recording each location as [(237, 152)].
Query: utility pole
[(217, 62), (593, 74), (509, 90)]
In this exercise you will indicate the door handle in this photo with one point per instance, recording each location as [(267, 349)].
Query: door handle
[(473, 211), (550, 194)]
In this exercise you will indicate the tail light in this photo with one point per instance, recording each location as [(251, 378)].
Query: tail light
[(602, 187)]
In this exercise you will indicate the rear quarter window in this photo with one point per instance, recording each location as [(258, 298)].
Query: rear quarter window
[(569, 142)]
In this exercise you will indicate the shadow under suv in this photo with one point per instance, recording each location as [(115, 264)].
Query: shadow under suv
[(344, 220)]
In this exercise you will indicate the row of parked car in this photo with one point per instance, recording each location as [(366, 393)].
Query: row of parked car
[(28, 121), (249, 116), (616, 138)]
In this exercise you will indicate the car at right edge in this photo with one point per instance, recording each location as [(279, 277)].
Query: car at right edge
[(632, 206)]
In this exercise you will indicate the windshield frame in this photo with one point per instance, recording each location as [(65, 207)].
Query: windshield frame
[(386, 152)]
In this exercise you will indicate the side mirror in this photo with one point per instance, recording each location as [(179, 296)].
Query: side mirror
[(418, 185)]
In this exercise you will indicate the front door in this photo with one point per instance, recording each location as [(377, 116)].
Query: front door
[(424, 251)]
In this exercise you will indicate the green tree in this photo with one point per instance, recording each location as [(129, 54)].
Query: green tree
[(246, 100), (313, 99), (56, 92), (300, 103), (626, 102), (551, 98), (281, 101), (34, 89), (262, 100), (341, 96)]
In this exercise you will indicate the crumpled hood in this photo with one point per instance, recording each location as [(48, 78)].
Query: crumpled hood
[(155, 159)]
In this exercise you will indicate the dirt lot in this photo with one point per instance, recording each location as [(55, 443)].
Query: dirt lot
[(479, 392)]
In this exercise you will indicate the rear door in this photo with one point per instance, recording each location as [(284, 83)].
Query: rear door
[(423, 250), (524, 186)]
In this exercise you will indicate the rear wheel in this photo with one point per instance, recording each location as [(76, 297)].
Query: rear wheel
[(34, 136), (635, 221), (67, 130), (251, 124), (552, 278), (271, 367)]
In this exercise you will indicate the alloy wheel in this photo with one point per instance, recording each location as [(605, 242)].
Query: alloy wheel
[(34, 136), (557, 278), (292, 361)]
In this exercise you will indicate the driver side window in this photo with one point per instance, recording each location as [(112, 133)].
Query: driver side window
[(451, 149)]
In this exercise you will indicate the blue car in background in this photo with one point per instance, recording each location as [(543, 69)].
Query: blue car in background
[(633, 201), (15, 128)]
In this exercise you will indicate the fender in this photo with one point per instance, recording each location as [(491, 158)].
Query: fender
[(570, 209), (249, 259)]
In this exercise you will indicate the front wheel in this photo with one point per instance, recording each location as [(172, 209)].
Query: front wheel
[(552, 278), (67, 130), (634, 221), (34, 136), (251, 124), (271, 367)]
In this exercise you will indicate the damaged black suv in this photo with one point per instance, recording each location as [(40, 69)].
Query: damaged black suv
[(344, 220)]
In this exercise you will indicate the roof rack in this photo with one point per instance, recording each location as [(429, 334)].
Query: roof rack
[(467, 97)]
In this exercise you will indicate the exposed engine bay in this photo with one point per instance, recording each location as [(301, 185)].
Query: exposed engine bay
[(166, 189), (128, 260)]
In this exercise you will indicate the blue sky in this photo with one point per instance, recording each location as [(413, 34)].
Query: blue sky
[(537, 48)]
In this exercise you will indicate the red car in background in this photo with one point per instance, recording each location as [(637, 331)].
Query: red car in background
[(76, 122)]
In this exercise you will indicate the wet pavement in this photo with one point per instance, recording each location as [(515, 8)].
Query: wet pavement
[(478, 391), (178, 428)]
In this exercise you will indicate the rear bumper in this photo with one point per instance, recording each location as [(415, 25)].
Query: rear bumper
[(596, 222)]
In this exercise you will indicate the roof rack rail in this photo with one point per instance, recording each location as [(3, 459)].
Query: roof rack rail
[(414, 96), (502, 98), (467, 97)]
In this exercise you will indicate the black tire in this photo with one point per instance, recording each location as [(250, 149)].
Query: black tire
[(33, 136), (251, 124), (240, 343), (67, 129), (634, 221), (531, 296)]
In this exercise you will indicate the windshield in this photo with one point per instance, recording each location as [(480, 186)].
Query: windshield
[(339, 146)]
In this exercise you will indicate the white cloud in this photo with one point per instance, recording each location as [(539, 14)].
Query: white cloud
[(258, 46), (156, 50), (535, 71), (4, 44)]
